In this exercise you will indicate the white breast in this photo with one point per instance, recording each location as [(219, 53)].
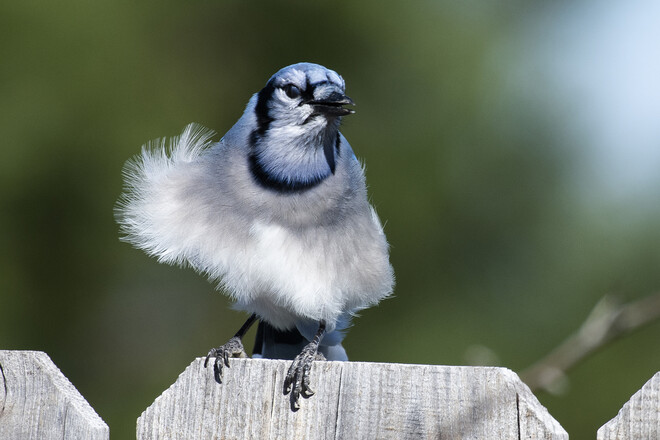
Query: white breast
[(315, 273), (285, 270)]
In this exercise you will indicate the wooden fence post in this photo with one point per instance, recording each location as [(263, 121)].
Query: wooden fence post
[(353, 400), (38, 402), (639, 418)]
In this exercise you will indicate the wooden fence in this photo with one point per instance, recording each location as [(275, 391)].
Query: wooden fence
[(353, 400)]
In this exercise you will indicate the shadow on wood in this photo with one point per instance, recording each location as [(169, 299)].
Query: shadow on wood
[(353, 400), (38, 402), (639, 418)]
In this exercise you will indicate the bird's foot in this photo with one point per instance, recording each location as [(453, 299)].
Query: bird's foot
[(233, 348), (297, 378)]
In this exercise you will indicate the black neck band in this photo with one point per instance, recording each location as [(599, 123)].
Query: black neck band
[(266, 180)]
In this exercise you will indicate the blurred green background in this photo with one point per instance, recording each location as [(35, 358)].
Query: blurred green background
[(512, 150)]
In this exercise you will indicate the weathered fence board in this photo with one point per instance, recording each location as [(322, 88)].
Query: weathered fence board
[(353, 400), (38, 402), (639, 418)]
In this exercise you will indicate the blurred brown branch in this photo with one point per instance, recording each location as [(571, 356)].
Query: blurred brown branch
[(607, 321)]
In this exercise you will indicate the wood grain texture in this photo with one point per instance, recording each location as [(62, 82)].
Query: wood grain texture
[(38, 402), (353, 400), (639, 418)]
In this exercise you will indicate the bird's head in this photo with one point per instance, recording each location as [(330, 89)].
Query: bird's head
[(297, 117), (303, 97)]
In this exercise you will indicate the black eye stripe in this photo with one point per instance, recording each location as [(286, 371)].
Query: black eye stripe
[(261, 112)]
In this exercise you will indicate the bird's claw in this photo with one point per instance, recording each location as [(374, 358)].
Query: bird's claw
[(296, 381), (233, 348)]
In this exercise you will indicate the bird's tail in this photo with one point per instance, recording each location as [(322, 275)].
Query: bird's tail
[(272, 343)]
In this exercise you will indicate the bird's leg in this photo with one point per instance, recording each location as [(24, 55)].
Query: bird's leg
[(297, 378), (233, 348)]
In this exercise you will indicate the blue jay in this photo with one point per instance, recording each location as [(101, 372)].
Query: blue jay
[(276, 213)]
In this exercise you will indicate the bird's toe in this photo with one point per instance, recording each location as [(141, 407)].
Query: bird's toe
[(233, 348), (297, 380)]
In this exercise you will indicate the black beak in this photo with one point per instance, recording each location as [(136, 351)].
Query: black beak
[(332, 104)]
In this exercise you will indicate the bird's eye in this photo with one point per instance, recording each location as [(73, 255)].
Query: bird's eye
[(292, 91)]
